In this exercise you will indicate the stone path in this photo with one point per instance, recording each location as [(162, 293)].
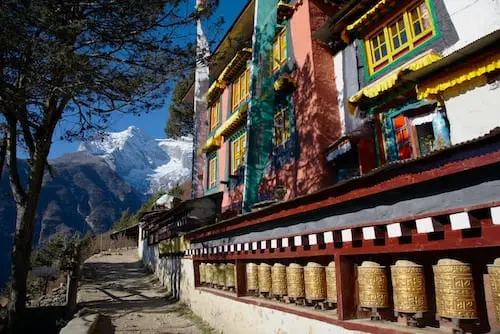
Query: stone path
[(131, 300)]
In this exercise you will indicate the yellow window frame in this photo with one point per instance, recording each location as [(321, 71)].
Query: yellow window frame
[(238, 149), (240, 89), (281, 126), (212, 172), (214, 114), (278, 52), (413, 39)]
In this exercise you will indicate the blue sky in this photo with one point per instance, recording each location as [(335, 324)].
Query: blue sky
[(153, 123)]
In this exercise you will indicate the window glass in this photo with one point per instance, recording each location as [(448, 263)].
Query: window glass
[(278, 52), (212, 172), (238, 147), (281, 126), (410, 28), (240, 89), (214, 115)]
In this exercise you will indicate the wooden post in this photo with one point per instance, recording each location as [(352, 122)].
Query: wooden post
[(346, 288), (72, 283), (241, 278)]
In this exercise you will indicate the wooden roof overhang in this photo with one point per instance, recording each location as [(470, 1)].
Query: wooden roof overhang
[(392, 176)]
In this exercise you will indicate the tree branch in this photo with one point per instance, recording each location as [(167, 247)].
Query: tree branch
[(15, 180)]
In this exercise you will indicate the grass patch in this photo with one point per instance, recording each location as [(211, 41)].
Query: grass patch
[(184, 311)]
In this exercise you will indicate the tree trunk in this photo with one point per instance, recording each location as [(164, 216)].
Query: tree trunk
[(20, 265)]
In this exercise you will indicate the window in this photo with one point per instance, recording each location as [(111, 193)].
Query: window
[(278, 56), (240, 89), (281, 127), (238, 147), (214, 115), (409, 29), (212, 172), (414, 136), (401, 131)]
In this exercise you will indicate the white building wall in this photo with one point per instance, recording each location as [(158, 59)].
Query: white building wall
[(474, 113), (472, 20), (224, 314)]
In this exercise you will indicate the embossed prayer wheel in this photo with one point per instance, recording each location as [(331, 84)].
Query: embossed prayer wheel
[(494, 272), (455, 296), (331, 283), (252, 277), (230, 277), (264, 277), (209, 273), (295, 281), (408, 287), (315, 281), (278, 279), (202, 272), (372, 281), (221, 275)]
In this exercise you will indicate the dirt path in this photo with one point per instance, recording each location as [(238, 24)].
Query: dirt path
[(130, 299)]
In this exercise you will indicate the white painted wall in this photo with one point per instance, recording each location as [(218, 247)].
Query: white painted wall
[(338, 68), (474, 113), (472, 20), (227, 315)]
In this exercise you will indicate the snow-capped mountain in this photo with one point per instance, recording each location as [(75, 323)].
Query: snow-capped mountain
[(147, 164)]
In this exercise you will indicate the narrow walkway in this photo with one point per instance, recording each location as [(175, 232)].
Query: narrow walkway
[(131, 300)]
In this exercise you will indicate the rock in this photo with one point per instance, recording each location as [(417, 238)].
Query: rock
[(3, 302)]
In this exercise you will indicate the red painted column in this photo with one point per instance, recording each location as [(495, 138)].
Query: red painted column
[(346, 287), (241, 278)]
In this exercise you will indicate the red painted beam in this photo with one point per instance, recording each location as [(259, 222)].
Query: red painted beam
[(490, 237)]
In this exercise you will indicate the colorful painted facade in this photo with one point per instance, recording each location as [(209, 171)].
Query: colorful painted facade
[(356, 145)]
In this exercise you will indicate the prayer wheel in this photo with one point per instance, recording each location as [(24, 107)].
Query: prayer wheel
[(315, 281), (372, 281), (331, 283), (295, 281), (264, 274), (278, 279), (408, 284), (252, 277), (209, 273), (230, 277), (221, 275), (494, 272), (202, 272), (455, 296)]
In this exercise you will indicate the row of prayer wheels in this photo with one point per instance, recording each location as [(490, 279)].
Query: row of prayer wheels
[(454, 287), (313, 282), (220, 275)]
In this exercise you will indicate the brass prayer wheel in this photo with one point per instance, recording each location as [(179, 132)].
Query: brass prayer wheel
[(278, 279), (264, 277), (455, 296), (408, 284), (372, 281), (295, 281), (331, 283), (202, 272), (209, 273), (252, 277), (230, 277), (315, 281), (494, 272), (221, 275)]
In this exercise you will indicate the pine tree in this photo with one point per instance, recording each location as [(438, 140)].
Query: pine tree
[(74, 63), (180, 121)]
